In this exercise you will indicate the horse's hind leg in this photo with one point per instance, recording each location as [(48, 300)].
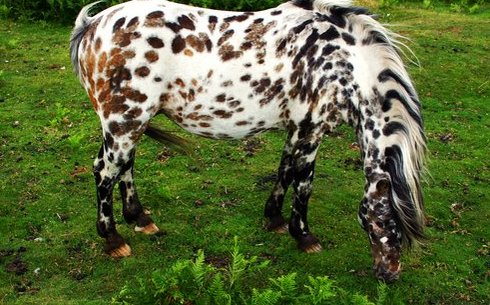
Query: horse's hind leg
[(133, 212), (107, 171), (273, 207)]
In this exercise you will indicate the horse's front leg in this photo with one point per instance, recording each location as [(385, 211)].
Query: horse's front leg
[(273, 207), (304, 165), (133, 212)]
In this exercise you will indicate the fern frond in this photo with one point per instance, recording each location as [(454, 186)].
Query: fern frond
[(266, 297)]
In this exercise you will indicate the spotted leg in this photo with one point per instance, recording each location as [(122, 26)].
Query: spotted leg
[(304, 164), (133, 212), (107, 171), (273, 207)]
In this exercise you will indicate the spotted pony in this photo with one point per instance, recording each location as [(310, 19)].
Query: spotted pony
[(305, 66)]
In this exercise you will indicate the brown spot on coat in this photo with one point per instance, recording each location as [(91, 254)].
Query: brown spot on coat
[(179, 82), (133, 22), (224, 26), (151, 56), (133, 113), (207, 42), (98, 44), (102, 62), (196, 43), (155, 42), (247, 45), (128, 54), (175, 27), (245, 78), (234, 104), (155, 19), (227, 83), (165, 97), (223, 114), (256, 33), (124, 36), (120, 129), (114, 105), (221, 98), (134, 95), (186, 23), (213, 20), (227, 35), (238, 18), (227, 52), (142, 71), (178, 44), (242, 123), (118, 24)]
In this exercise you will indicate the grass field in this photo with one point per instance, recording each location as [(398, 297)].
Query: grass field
[(49, 135)]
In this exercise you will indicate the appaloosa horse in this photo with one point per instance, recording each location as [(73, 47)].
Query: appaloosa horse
[(305, 66)]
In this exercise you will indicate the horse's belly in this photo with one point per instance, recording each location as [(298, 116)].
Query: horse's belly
[(230, 118)]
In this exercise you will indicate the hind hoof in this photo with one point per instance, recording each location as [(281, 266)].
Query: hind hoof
[(149, 229), (122, 251)]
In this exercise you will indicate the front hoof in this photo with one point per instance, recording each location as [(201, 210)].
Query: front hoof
[(309, 244), (116, 247), (149, 229), (122, 251), (277, 224), (388, 275)]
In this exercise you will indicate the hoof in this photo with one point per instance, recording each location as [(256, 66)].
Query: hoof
[(116, 247), (122, 251), (309, 244), (149, 229), (313, 248), (281, 229), (277, 224)]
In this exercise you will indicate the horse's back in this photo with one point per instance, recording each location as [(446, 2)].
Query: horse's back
[(215, 73)]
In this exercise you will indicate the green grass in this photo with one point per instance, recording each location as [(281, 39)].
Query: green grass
[(49, 137)]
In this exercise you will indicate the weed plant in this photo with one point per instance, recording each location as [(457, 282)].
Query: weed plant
[(194, 281)]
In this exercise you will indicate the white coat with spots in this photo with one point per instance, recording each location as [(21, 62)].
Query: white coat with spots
[(305, 66)]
